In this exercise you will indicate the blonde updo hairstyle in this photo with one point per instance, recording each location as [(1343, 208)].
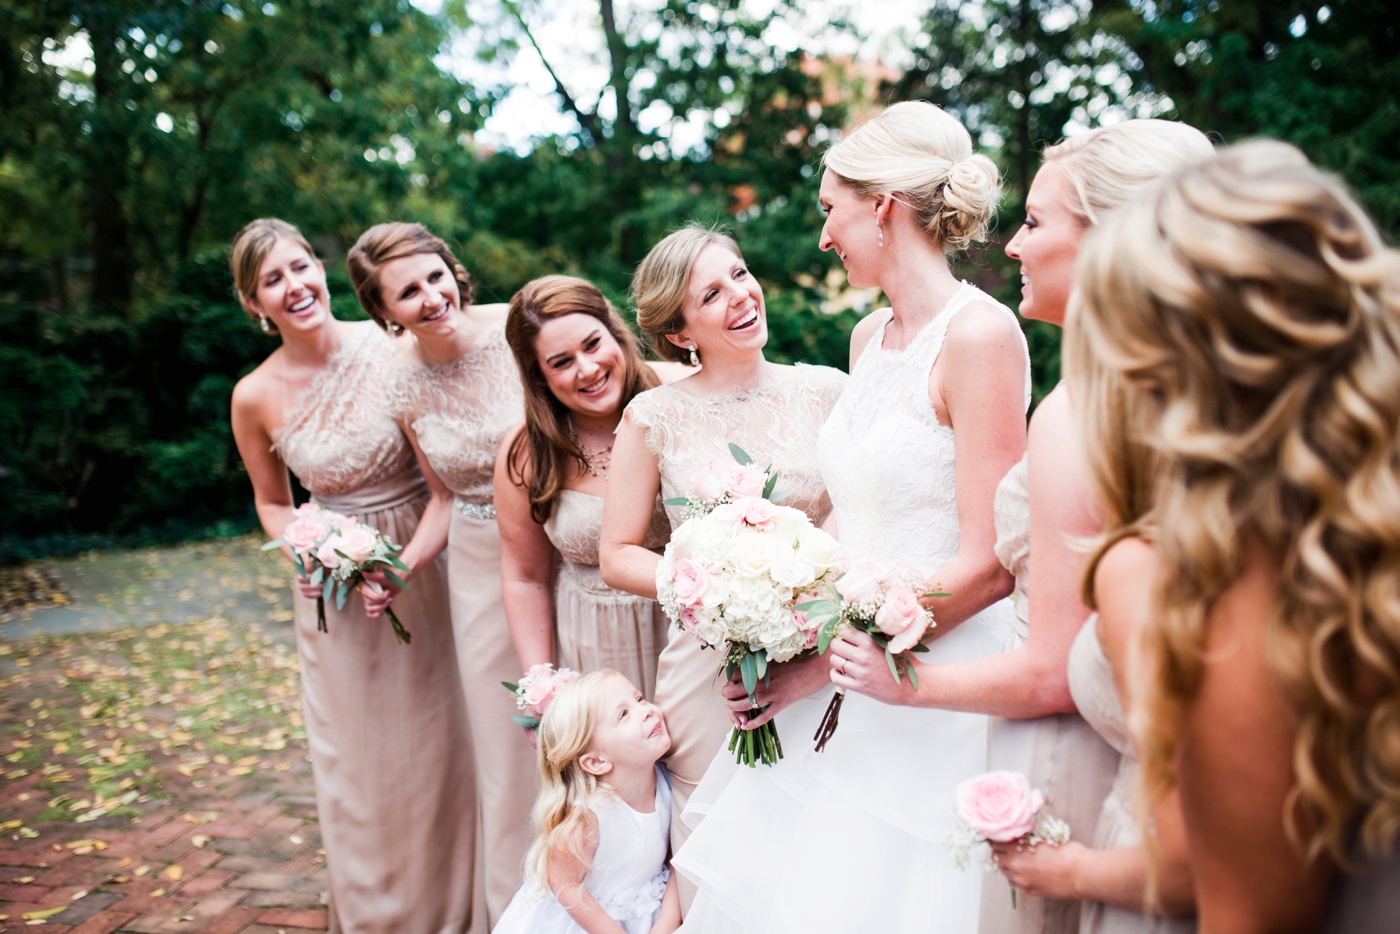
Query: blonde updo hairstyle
[(567, 790), (662, 281), (383, 243), (923, 156), (1109, 165), (250, 249), (1254, 307)]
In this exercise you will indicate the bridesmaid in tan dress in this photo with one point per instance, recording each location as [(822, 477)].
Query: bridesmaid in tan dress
[(456, 394), (580, 366), (385, 722), (698, 303)]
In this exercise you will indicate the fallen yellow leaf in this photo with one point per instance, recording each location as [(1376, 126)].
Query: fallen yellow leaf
[(174, 872), (141, 870), (23, 880), (41, 915), (199, 840), (157, 893)]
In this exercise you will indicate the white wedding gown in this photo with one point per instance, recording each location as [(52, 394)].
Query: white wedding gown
[(851, 839)]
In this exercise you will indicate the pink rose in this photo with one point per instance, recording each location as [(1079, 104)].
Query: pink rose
[(707, 483), (357, 542), (327, 553), (999, 806), (759, 513), (731, 513), (540, 670), (902, 618), (745, 480), (304, 532), (804, 626), (689, 620), (690, 580), (860, 582), (547, 686)]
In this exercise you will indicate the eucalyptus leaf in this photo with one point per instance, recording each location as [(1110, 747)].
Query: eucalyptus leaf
[(894, 669), (740, 454), (341, 593), (394, 579), (318, 575)]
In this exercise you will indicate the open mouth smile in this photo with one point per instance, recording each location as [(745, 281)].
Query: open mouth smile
[(747, 321)]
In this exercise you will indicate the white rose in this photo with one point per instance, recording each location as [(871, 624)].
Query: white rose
[(752, 554), (790, 570), (817, 547), (710, 631)]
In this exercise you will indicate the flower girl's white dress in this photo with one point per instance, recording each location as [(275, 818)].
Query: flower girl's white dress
[(851, 839), (628, 876)]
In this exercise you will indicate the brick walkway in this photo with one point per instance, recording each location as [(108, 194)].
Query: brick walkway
[(156, 780)]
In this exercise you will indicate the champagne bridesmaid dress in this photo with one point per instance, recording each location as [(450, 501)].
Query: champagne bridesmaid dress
[(385, 722), (460, 412)]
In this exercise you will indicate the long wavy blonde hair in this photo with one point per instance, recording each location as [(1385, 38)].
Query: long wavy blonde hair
[(1255, 308), (565, 735)]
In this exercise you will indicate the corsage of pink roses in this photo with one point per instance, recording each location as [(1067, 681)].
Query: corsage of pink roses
[(723, 480), (732, 575), (1001, 807), (336, 551), (537, 687), (885, 602)]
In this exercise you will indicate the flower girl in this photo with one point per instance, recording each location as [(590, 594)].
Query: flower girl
[(598, 863)]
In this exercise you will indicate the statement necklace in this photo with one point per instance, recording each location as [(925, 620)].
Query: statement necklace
[(595, 463)]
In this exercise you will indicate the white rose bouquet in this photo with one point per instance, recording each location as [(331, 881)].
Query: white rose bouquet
[(336, 551), (732, 576), (885, 602)]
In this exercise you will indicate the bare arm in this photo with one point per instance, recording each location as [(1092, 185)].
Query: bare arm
[(983, 373), (1236, 771), (633, 482), (1122, 588), (527, 564), (566, 881), (669, 917), (428, 540)]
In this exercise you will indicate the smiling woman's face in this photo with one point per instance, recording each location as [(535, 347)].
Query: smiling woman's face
[(420, 293), (582, 364), (724, 311)]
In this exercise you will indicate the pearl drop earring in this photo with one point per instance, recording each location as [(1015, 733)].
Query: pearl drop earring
[(263, 323)]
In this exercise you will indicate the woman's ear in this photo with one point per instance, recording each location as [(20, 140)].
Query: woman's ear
[(882, 208), (681, 341)]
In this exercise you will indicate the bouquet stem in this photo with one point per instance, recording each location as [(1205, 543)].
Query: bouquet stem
[(399, 631), (750, 747), (1013, 898), (830, 719), (321, 615)]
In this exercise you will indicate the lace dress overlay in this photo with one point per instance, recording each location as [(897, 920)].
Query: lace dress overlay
[(888, 465), (628, 875)]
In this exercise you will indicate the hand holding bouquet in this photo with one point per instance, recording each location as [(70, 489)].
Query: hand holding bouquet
[(537, 687), (732, 575), (1001, 807), (336, 551), (885, 602)]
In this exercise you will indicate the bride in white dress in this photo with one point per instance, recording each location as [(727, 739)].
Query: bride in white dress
[(933, 415)]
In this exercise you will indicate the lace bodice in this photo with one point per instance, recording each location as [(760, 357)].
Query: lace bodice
[(461, 411), (576, 523), (887, 461), (628, 876), (338, 437), (775, 424)]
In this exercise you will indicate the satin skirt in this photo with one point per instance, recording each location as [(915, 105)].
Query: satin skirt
[(389, 741)]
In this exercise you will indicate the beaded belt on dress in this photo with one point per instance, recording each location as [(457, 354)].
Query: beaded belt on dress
[(476, 510)]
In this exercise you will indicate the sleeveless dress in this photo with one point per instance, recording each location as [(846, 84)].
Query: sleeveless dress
[(1091, 683), (852, 838), (597, 626), (385, 722), (461, 411), (775, 424), (628, 875), (1061, 754)]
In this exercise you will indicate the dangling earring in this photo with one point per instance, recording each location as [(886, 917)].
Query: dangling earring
[(264, 324), (694, 357), (880, 233), (396, 330)]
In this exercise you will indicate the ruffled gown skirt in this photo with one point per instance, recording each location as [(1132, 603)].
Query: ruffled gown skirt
[(506, 777), (390, 750), (851, 838)]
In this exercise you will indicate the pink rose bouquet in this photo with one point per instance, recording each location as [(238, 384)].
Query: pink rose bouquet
[(537, 687), (1001, 807), (885, 602), (732, 575), (336, 551)]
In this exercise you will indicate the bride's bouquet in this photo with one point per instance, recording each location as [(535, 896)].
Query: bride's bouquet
[(733, 574), (884, 602), (336, 551)]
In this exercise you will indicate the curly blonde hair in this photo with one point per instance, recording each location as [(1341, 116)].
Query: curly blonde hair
[(1256, 310)]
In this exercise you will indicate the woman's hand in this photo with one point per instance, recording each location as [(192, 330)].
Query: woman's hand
[(858, 664), (788, 682), (378, 593), (1045, 871), (308, 590)]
